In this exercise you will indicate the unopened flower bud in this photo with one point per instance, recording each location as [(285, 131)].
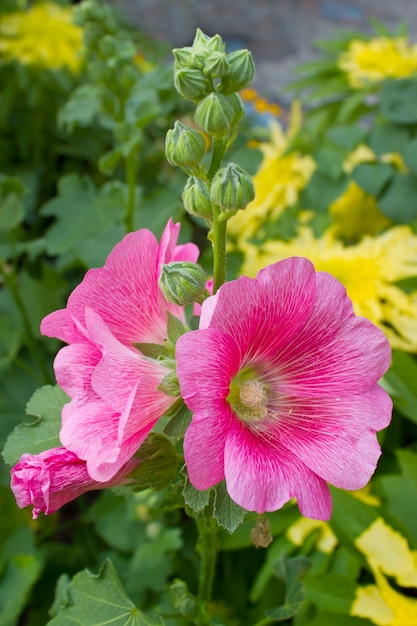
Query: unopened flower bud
[(198, 58), (196, 198), (215, 115), (182, 282), (182, 57), (190, 83), (209, 44), (231, 189), (236, 103), (241, 71), (216, 65), (184, 146)]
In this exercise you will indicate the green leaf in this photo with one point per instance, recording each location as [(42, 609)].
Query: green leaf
[(175, 328), (180, 419), (11, 205), (228, 514), (98, 600), (373, 177), (81, 211), (108, 161), (81, 108), (290, 571), (330, 160), (321, 191), (388, 138), (409, 153), (332, 592), (20, 567), (347, 137), (331, 619), (194, 498), (158, 463), (399, 200), (400, 382), (397, 100), (350, 517), (42, 434), (153, 350)]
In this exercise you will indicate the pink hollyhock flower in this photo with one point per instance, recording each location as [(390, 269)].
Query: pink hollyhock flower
[(113, 387), (282, 378), (54, 477)]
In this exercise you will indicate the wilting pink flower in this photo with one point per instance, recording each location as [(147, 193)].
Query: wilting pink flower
[(113, 387), (52, 478), (282, 378)]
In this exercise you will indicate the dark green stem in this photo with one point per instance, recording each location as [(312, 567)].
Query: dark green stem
[(10, 282), (207, 547), (131, 171), (218, 240)]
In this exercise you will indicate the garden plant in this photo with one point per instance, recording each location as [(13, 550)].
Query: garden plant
[(211, 327)]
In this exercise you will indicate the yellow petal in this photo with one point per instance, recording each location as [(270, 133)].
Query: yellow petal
[(389, 551)]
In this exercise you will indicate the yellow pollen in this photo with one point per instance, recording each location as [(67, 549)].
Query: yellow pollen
[(252, 394)]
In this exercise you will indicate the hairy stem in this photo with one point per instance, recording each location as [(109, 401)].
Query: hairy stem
[(218, 240)]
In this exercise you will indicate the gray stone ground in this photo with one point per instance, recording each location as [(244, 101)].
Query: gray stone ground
[(279, 33)]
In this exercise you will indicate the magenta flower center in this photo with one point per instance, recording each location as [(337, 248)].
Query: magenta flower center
[(248, 397)]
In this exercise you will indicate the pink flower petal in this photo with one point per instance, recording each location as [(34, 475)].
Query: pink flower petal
[(265, 313), (262, 476), (336, 352), (335, 437)]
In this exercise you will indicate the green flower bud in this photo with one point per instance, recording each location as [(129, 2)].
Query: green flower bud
[(198, 58), (184, 146), (183, 282), (182, 57), (216, 65), (236, 103), (241, 71), (214, 114), (107, 46), (231, 189), (191, 84), (208, 44), (196, 198)]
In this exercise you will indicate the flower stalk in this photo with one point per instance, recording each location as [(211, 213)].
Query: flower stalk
[(207, 547)]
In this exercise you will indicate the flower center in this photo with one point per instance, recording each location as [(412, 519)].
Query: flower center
[(248, 397)]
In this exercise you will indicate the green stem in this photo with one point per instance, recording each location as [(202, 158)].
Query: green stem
[(207, 547), (10, 282), (219, 149), (131, 170), (218, 240)]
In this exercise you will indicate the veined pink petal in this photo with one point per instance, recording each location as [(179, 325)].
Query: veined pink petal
[(262, 476), (52, 478), (335, 352), (335, 437), (276, 304), (74, 366), (60, 325)]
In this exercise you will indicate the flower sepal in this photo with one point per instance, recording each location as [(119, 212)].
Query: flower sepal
[(183, 282)]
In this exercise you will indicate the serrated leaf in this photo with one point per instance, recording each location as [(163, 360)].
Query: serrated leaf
[(228, 514), (290, 571), (42, 434), (81, 108), (194, 498), (11, 205), (98, 600)]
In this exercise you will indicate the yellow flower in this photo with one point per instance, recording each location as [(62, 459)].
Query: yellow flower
[(383, 605), (43, 36), (355, 213), (371, 61), (298, 532), (369, 270), (278, 181), (387, 552)]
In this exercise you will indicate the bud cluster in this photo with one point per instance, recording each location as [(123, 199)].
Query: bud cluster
[(208, 76)]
